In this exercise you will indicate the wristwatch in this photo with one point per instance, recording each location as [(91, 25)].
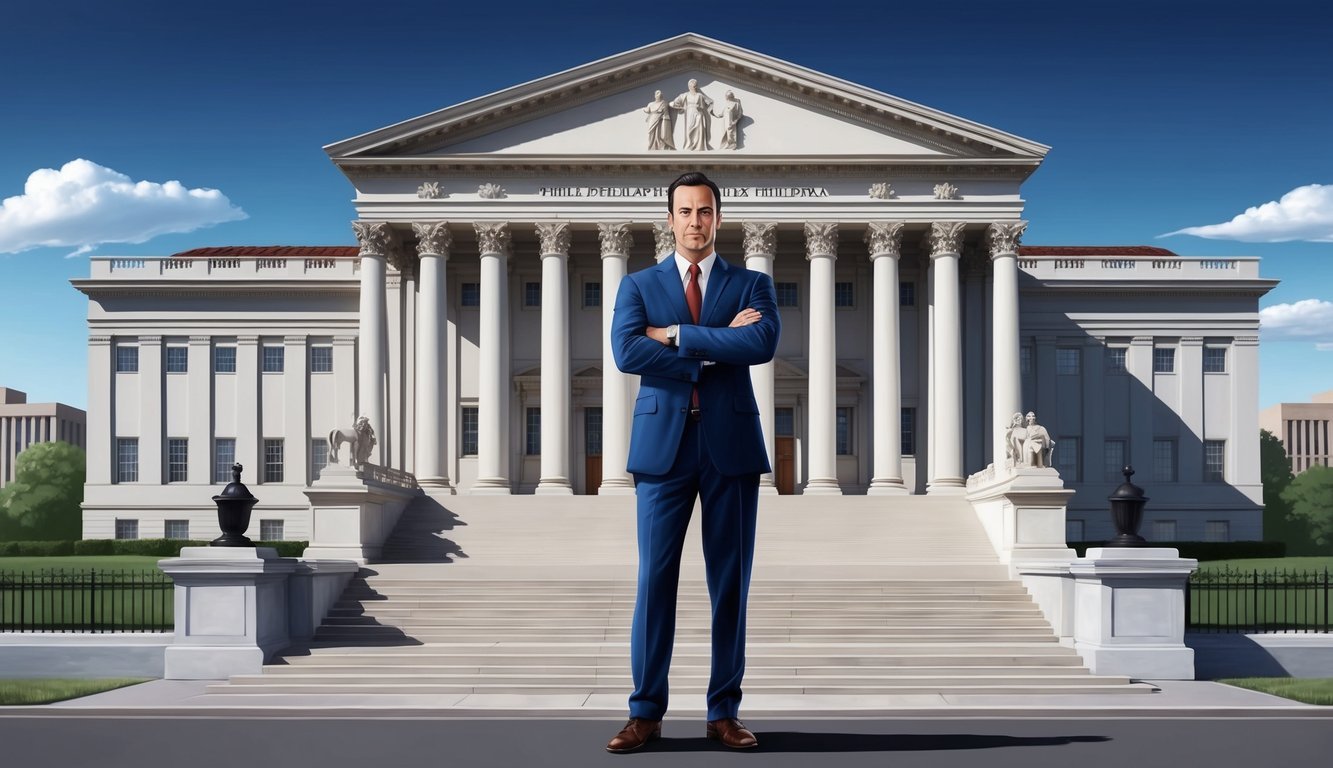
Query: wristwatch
[(672, 331)]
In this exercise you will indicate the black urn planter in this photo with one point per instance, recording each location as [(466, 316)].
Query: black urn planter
[(234, 505), (1127, 512)]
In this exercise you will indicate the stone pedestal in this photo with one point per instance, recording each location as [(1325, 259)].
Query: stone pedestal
[(312, 589), (1023, 512), (354, 511), (231, 611), (1130, 612)]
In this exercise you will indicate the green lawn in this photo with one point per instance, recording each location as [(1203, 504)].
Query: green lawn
[(47, 690), (1267, 564), (72, 563), (1222, 594), (1311, 691)]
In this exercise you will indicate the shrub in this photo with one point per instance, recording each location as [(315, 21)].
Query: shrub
[(86, 547), (149, 547), (36, 548)]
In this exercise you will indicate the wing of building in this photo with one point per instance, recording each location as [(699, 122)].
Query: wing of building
[(470, 323)]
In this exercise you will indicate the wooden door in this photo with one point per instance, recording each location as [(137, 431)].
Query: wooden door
[(784, 473), (592, 450)]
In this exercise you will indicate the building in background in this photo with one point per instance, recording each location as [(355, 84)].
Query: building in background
[(1303, 429), (23, 423)]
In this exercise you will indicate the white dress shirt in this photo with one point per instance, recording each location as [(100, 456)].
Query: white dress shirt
[(705, 268)]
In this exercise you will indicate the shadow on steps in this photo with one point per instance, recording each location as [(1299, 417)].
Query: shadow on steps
[(419, 535)]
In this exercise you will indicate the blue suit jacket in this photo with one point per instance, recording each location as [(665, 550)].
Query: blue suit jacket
[(655, 297)]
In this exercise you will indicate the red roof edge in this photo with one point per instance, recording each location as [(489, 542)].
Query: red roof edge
[(1093, 250), (271, 252)]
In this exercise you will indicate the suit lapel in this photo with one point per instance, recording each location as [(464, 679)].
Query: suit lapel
[(717, 286), (668, 277)]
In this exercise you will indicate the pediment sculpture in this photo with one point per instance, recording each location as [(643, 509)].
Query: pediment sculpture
[(1027, 443), (697, 114), (360, 440)]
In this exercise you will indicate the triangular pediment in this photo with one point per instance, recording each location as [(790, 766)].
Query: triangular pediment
[(606, 108)]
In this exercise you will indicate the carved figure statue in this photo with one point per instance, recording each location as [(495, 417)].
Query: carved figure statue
[(698, 116), (1013, 441), (731, 122), (360, 439), (1037, 444), (661, 123)]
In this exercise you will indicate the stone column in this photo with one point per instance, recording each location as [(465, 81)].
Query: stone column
[(432, 422), (249, 406), (295, 410), (761, 240), (98, 428), (199, 365), (493, 239), (664, 240), (821, 248), (945, 242), (1007, 386), (376, 240), (152, 440), (616, 241), (885, 240), (555, 239)]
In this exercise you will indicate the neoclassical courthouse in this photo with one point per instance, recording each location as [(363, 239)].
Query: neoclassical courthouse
[(469, 324)]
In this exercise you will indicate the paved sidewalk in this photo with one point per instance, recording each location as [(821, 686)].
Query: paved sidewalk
[(1176, 698)]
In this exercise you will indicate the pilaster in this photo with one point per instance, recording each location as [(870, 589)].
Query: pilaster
[(152, 446)]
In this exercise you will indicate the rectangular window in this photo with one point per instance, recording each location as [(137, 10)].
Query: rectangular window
[(273, 460), (224, 455), (274, 359), (592, 295), (1025, 360), (321, 359), (784, 422), (178, 460), (592, 431), (178, 359), (1162, 530), (224, 359), (468, 430), (843, 295), (844, 432), (1066, 458), (909, 432), (1115, 360), (127, 359), (533, 432), (319, 456), (1164, 360), (1074, 530), (127, 459), (1217, 530), (1164, 461), (787, 294), (1214, 359), (270, 530), (470, 294), (532, 294), (1214, 460), (1066, 361), (906, 294), (176, 529), (127, 529), (1114, 461)]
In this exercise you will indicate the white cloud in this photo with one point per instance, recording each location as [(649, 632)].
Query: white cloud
[(84, 205), (1324, 347), (1304, 213), (1305, 320)]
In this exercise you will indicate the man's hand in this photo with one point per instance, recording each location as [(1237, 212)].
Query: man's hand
[(745, 317), (657, 334)]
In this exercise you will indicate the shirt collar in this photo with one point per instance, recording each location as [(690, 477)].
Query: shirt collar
[(705, 266)]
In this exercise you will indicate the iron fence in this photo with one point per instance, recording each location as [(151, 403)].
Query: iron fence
[(86, 601), (1258, 601)]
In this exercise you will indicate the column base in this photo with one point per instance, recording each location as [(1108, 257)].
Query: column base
[(616, 488), (767, 486), (437, 483), (822, 486), (947, 486), (881, 487), (491, 486), (554, 487)]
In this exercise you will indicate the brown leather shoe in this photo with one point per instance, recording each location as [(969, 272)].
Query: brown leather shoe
[(732, 733), (635, 734)]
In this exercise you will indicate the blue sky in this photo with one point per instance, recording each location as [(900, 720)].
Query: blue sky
[(1162, 116)]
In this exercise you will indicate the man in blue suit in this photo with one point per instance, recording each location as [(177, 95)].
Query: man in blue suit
[(691, 327)]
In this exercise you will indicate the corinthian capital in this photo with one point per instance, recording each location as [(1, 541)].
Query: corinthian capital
[(1003, 237), (945, 238), (664, 240), (555, 237), (616, 239), (493, 236), (375, 238), (885, 238), (433, 238), (821, 239), (761, 238)]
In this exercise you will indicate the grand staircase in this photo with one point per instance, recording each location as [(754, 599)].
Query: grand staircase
[(528, 600)]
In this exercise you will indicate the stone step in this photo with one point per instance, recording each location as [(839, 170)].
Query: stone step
[(754, 660), (679, 680), (392, 635), (1119, 685), (620, 667)]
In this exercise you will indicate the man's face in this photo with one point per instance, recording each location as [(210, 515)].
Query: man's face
[(694, 219)]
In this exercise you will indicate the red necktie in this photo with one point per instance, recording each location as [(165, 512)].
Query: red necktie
[(695, 298)]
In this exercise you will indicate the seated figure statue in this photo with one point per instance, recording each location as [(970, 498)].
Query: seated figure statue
[(1037, 444), (1014, 435)]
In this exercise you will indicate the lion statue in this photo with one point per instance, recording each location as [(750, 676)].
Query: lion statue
[(360, 440)]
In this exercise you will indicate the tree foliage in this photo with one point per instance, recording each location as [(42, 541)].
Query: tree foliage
[(42, 503), (1275, 473), (1310, 497)]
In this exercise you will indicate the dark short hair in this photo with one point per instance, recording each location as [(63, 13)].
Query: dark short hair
[(693, 179)]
